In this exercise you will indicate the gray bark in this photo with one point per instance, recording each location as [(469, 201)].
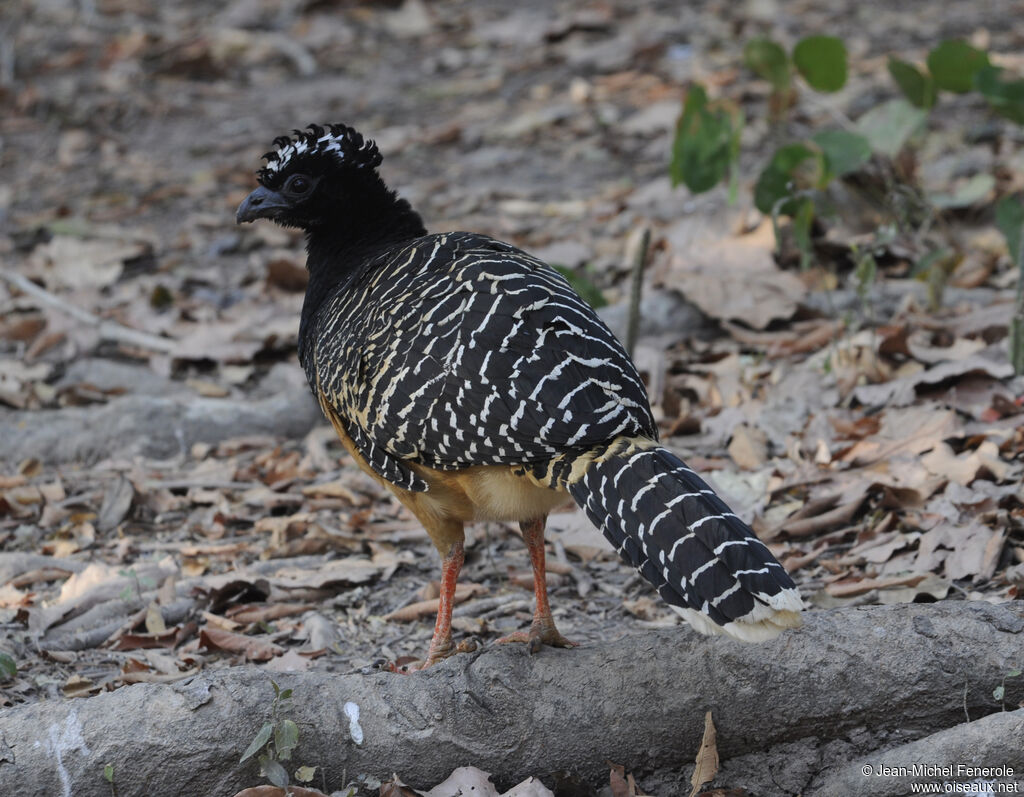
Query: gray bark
[(901, 671), (151, 426), (994, 742)]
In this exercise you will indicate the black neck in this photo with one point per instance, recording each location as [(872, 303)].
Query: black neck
[(348, 236)]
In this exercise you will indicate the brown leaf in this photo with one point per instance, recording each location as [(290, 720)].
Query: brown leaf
[(68, 261), (263, 614), (912, 430), (617, 781), (298, 791), (902, 391), (287, 275), (733, 277), (394, 788), (335, 489), (807, 526), (155, 620), (749, 447), (849, 587), (130, 641), (707, 757), (290, 661), (464, 781), (79, 686), (414, 611), (965, 468), (966, 551), (254, 649)]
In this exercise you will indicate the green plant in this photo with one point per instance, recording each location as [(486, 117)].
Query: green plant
[(999, 693), (583, 285), (108, 776), (8, 667), (140, 584), (707, 141), (820, 60), (794, 183), (279, 736), (1010, 220)]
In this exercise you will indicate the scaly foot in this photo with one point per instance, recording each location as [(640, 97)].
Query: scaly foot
[(465, 646), (539, 635)]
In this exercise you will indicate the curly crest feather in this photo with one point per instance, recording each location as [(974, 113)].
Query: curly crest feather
[(345, 144)]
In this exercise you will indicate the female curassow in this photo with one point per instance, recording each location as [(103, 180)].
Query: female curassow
[(472, 381)]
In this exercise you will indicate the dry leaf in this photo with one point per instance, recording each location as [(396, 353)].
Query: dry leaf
[(749, 447), (733, 277), (290, 661), (425, 608), (707, 757), (300, 791), (71, 262), (393, 788), (79, 686), (965, 468), (155, 620), (253, 648), (617, 781)]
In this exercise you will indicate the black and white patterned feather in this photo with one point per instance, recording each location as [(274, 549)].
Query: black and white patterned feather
[(459, 350)]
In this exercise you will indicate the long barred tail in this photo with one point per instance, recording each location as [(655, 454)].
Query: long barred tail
[(664, 520)]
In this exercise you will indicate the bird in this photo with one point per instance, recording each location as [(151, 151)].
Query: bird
[(475, 384)]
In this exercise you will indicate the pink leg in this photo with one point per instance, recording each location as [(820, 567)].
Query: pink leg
[(542, 630), (441, 643)]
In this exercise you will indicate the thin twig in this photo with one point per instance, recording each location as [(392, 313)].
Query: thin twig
[(635, 287), (108, 330)]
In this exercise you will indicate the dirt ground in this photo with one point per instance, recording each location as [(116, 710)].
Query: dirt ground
[(180, 504)]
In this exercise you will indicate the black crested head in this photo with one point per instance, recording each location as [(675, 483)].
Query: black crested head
[(324, 180), (320, 148)]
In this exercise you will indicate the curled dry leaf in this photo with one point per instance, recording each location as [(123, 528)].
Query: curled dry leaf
[(707, 757), (428, 607), (254, 649)]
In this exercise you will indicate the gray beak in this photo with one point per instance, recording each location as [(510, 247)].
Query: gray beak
[(260, 204)]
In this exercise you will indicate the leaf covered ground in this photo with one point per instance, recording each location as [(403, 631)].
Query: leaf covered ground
[(170, 500)]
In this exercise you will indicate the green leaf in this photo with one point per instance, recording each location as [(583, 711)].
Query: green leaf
[(776, 182), (305, 774), (8, 669), (953, 64), (261, 739), (890, 125), (1014, 673), (999, 692), (702, 150), (1010, 221), (285, 694), (967, 193), (917, 86), (1006, 98), (865, 273), (844, 152), (108, 773), (580, 283), (274, 772), (822, 62), (768, 60), (286, 736), (1017, 345), (926, 262)]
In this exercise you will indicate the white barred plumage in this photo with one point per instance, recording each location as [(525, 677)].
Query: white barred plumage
[(437, 356)]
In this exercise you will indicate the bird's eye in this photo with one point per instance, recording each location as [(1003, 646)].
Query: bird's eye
[(299, 184)]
